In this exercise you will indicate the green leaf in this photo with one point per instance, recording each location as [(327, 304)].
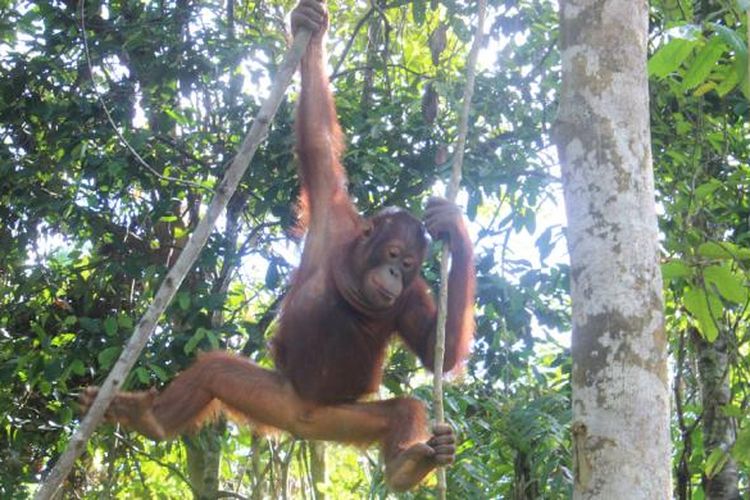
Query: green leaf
[(142, 375), (77, 367), (544, 244), (418, 11), (730, 285), (715, 462), (741, 448), (108, 356), (675, 269), (716, 250), (125, 322), (529, 221), (732, 411), (697, 303), (176, 116), (160, 373), (706, 189), (110, 326), (91, 325), (194, 340), (730, 37), (183, 299), (729, 82), (700, 68), (670, 56), (745, 81), (739, 68), (213, 340), (723, 250)]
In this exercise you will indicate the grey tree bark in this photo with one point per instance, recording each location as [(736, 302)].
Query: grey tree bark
[(621, 398)]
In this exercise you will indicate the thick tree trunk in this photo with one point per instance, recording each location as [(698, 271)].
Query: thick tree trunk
[(719, 430), (620, 386)]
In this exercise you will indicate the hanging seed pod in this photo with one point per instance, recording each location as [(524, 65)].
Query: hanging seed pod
[(430, 103)]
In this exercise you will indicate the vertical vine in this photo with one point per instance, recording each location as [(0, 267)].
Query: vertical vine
[(451, 192)]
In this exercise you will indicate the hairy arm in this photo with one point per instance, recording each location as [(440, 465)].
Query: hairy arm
[(418, 319), (325, 203)]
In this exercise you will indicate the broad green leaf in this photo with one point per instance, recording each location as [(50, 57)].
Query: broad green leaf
[(732, 411), (723, 250), (177, 116), (108, 356), (159, 372), (740, 65), (91, 325), (77, 367), (739, 73), (63, 339), (670, 56), (183, 299), (66, 414), (741, 448), (729, 82), (707, 189), (110, 326), (543, 243), (715, 462), (716, 250), (730, 285), (675, 269), (142, 375), (529, 221), (125, 322), (418, 10), (730, 37), (697, 303), (194, 340), (212, 339), (700, 68)]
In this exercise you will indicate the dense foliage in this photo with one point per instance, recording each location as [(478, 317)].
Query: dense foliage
[(117, 117)]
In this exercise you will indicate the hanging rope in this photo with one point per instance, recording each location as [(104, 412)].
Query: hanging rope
[(179, 270), (450, 194)]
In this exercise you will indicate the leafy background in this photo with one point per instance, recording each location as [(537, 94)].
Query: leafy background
[(112, 144)]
